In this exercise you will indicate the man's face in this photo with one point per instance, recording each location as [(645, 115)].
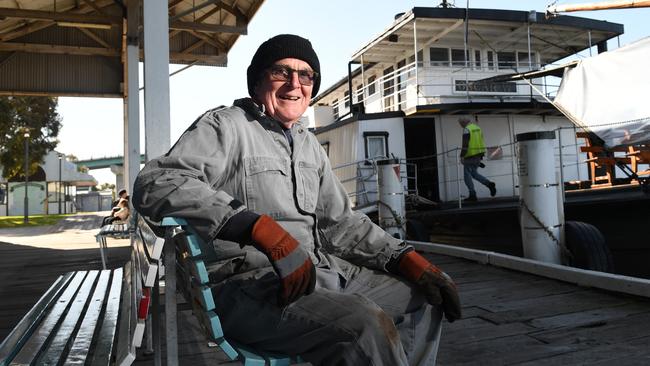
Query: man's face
[(285, 101)]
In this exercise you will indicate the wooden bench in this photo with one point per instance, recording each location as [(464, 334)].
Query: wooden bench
[(191, 257), (639, 154), (117, 230), (91, 317), (602, 161)]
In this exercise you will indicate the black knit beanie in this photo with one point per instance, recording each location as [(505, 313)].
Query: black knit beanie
[(277, 48)]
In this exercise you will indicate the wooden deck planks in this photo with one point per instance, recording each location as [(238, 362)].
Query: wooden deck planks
[(513, 318), (509, 317)]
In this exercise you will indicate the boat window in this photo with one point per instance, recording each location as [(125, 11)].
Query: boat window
[(490, 60), (388, 87), (358, 94), (346, 98), (372, 89), (459, 57), (420, 63), (522, 60), (439, 56), (326, 147), (376, 144), (401, 75), (420, 58), (507, 60), (477, 59), (335, 108)]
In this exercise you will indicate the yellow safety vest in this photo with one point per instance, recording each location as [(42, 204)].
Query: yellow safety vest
[(476, 144)]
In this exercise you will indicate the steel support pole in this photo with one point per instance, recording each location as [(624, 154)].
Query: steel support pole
[(171, 324), (26, 200), (156, 78), (132, 97), (58, 191)]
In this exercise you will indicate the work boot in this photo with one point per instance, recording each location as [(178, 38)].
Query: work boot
[(471, 198), (493, 189)]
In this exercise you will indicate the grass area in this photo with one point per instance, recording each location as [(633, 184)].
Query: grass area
[(34, 220)]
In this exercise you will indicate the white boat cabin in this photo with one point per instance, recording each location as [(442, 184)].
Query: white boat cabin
[(412, 82)]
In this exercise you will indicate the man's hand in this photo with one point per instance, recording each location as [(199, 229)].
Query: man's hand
[(292, 264), (438, 287)]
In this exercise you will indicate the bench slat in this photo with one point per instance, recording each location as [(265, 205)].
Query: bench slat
[(148, 269), (153, 243), (228, 349), (193, 246), (104, 346), (28, 323), (198, 271), (203, 294), (282, 361), (173, 221), (38, 338), (124, 353), (210, 320), (79, 350), (136, 282), (55, 349), (251, 359)]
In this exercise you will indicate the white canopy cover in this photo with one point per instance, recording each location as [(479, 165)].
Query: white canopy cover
[(609, 94)]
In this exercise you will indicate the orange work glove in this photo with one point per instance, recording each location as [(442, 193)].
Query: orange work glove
[(292, 264), (438, 287)]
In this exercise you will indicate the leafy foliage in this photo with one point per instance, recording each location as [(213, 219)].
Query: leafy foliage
[(107, 186), (36, 115)]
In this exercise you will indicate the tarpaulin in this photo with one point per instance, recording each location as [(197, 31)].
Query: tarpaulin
[(609, 94)]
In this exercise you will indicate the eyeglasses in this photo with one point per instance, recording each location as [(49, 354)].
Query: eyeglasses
[(284, 73)]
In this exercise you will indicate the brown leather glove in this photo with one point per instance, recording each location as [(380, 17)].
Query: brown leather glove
[(292, 264), (438, 287)]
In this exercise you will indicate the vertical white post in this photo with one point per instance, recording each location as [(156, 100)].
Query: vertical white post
[(391, 198), (540, 217), (156, 78), (132, 97), (415, 57)]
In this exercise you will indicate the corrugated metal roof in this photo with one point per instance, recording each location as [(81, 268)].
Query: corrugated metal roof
[(53, 47)]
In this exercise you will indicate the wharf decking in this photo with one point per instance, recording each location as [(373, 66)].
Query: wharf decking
[(510, 317)]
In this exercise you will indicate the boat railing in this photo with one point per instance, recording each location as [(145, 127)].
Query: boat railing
[(360, 179), (501, 166), (411, 85)]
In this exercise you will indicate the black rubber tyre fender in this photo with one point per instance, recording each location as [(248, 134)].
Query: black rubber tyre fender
[(587, 247), (415, 230)]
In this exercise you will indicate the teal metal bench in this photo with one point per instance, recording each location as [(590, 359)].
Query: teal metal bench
[(192, 256)]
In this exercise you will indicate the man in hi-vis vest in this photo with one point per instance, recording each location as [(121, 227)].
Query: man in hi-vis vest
[(471, 155)]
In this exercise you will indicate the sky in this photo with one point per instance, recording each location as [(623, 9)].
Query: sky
[(93, 127)]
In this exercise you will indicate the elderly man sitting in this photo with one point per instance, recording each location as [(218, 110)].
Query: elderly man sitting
[(299, 272)]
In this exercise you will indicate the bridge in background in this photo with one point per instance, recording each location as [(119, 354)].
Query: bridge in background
[(105, 162)]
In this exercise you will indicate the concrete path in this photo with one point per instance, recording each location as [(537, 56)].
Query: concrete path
[(72, 232)]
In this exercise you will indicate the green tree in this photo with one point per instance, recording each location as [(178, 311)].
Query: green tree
[(74, 159), (36, 115), (106, 186)]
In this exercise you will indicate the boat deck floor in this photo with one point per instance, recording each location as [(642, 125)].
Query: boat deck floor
[(509, 317)]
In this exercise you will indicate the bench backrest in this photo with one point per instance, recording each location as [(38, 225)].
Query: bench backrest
[(140, 278), (192, 257)]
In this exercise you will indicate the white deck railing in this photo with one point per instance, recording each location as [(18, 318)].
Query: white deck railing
[(406, 88)]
